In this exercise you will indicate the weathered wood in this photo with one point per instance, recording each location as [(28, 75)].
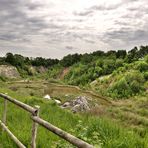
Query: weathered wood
[(68, 137), (34, 129), (20, 104), (36, 120), (5, 112), (20, 145)]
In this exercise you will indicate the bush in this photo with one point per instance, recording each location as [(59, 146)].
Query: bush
[(146, 59), (119, 63), (55, 71), (109, 66), (128, 85), (98, 71), (146, 75), (134, 75), (135, 87), (142, 66), (3, 79), (120, 89)]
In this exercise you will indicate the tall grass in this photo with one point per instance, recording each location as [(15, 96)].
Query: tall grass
[(110, 134)]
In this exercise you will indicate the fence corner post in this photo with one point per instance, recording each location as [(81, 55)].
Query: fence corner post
[(34, 128)]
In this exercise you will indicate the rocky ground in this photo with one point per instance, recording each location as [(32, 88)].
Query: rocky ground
[(79, 104), (9, 71)]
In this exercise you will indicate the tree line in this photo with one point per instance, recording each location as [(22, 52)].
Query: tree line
[(20, 61)]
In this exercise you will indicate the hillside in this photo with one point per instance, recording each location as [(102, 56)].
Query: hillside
[(109, 75), (115, 83), (96, 127), (127, 81)]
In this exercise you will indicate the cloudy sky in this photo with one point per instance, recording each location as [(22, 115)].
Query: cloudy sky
[(54, 28)]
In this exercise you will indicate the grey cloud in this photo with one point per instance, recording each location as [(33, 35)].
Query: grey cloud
[(126, 35), (89, 11), (66, 36), (104, 8), (16, 21), (33, 6), (22, 27), (69, 48), (84, 13), (89, 41)]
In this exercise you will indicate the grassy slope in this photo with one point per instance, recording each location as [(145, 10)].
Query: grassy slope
[(132, 112), (111, 134)]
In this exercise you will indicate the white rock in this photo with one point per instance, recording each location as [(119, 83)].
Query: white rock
[(66, 104), (47, 97), (58, 101)]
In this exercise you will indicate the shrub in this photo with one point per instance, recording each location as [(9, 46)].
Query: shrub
[(54, 71), (128, 85), (134, 75), (109, 66), (142, 66), (2, 78), (146, 59), (135, 87), (119, 63), (146, 75), (120, 89)]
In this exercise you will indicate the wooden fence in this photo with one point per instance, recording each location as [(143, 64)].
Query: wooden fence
[(37, 121)]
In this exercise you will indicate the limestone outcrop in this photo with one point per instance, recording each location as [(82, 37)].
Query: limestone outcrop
[(79, 104), (9, 71)]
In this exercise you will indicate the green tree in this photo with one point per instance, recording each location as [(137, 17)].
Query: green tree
[(121, 54), (10, 59)]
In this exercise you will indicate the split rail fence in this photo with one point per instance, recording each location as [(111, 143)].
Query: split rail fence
[(37, 121)]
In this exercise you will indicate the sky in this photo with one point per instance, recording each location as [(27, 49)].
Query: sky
[(55, 28)]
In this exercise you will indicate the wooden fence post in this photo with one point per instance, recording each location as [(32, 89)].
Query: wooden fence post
[(20, 145), (34, 128), (5, 112)]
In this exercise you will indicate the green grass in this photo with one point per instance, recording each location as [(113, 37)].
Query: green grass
[(109, 133)]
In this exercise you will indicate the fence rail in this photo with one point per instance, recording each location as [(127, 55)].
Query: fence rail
[(11, 135), (38, 121), (20, 104)]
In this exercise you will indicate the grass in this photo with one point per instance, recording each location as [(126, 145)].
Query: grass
[(96, 130)]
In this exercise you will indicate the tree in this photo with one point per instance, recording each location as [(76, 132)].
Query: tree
[(111, 53), (98, 53), (143, 51), (86, 58), (10, 59), (70, 60), (132, 55), (121, 54), (142, 66)]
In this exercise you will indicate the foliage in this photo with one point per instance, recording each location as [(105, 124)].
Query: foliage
[(146, 75), (39, 61), (70, 60), (121, 54), (54, 71), (20, 61), (120, 89), (86, 68), (3, 79), (129, 84), (128, 80), (94, 137), (142, 66)]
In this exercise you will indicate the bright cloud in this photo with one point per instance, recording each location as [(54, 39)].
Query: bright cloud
[(54, 28)]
